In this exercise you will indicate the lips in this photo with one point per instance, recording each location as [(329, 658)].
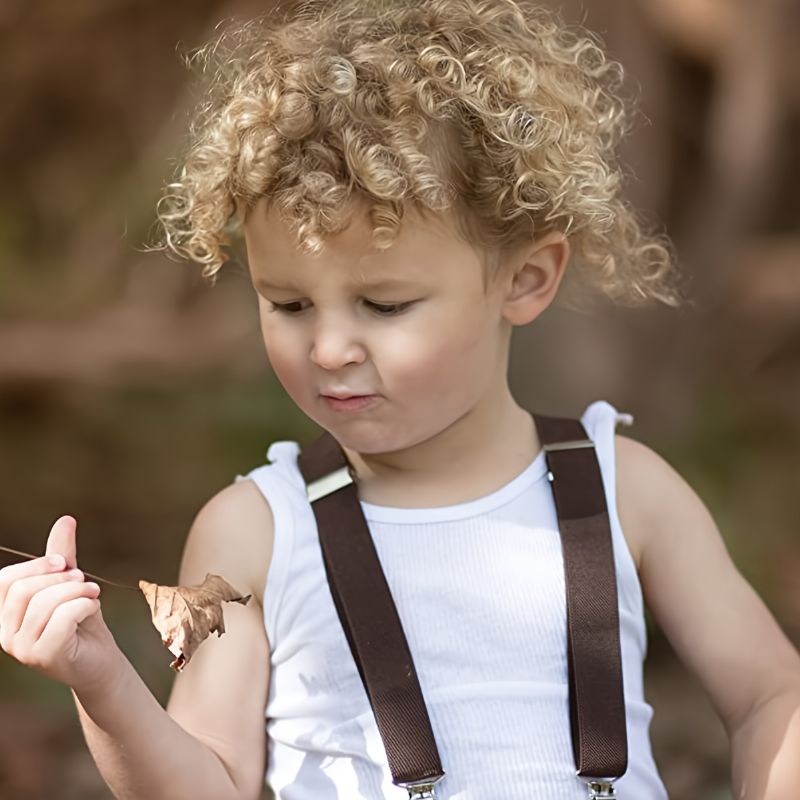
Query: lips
[(345, 395), (350, 402)]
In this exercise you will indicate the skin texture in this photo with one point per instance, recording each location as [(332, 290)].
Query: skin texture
[(440, 370)]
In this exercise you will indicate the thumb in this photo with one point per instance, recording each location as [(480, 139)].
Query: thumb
[(62, 540)]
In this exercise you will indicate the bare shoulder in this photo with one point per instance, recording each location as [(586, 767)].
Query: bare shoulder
[(652, 497), (233, 534), (644, 481)]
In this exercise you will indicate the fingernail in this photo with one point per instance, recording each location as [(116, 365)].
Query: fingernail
[(75, 573), (57, 561)]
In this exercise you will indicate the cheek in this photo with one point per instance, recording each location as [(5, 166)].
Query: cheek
[(283, 365), (438, 358), (285, 354)]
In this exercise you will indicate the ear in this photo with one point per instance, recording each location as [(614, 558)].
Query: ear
[(534, 277)]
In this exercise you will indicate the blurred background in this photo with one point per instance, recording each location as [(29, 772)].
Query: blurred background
[(130, 392)]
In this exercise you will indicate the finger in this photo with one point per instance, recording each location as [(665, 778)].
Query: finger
[(22, 590), (10, 634), (62, 625), (42, 607), (25, 569), (62, 540)]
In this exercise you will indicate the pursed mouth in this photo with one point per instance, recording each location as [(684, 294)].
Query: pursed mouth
[(345, 396), (351, 403)]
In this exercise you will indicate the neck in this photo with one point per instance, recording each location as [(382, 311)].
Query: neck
[(478, 453)]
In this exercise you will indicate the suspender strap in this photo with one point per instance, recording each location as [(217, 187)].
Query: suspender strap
[(597, 704), (379, 647), (369, 617)]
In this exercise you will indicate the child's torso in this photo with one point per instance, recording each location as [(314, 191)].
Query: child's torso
[(479, 588)]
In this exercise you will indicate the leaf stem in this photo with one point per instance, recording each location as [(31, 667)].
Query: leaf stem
[(87, 574)]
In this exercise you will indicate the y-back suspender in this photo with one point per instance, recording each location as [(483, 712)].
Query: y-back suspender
[(374, 633)]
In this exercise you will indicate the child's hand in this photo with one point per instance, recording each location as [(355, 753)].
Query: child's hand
[(50, 618)]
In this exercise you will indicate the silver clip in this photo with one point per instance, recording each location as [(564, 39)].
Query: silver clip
[(572, 444), (328, 484), (422, 790), (601, 790)]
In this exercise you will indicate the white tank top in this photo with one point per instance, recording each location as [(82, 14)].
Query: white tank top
[(479, 588)]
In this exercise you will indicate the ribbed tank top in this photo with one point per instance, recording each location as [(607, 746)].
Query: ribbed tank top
[(479, 588)]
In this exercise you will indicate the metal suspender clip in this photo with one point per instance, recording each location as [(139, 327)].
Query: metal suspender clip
[(421, 790), (601, 789), (572, 444), (328, 484)]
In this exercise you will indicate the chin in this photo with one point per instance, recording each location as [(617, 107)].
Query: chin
[(368, 442)]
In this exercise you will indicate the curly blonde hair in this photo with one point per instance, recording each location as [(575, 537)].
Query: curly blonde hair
[(492, 108)]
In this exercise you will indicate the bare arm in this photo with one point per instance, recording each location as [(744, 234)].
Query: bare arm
[(765, 747), (716, 622), (141, 751), (210, 742)]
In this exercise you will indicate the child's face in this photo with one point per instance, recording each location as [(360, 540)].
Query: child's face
[(412, 328)]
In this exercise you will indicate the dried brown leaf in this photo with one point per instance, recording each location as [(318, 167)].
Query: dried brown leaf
[(186, 615)]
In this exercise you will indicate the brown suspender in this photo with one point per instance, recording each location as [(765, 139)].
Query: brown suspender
[(369, 616), (379, 647)]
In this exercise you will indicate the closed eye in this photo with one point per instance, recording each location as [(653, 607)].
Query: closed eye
[(382, 309), (388, 309), (287, 308)]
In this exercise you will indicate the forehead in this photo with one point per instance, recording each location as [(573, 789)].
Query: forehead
[(426, 250)]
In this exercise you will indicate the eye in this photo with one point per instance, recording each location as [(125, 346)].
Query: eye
[(388, 309), (382, 309), (287, 308)]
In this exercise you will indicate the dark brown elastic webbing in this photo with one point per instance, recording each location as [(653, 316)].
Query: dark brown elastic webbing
[(375, 635), (597, 704), (370, 621)]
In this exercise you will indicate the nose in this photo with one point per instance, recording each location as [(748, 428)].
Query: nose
[(335, 346)]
